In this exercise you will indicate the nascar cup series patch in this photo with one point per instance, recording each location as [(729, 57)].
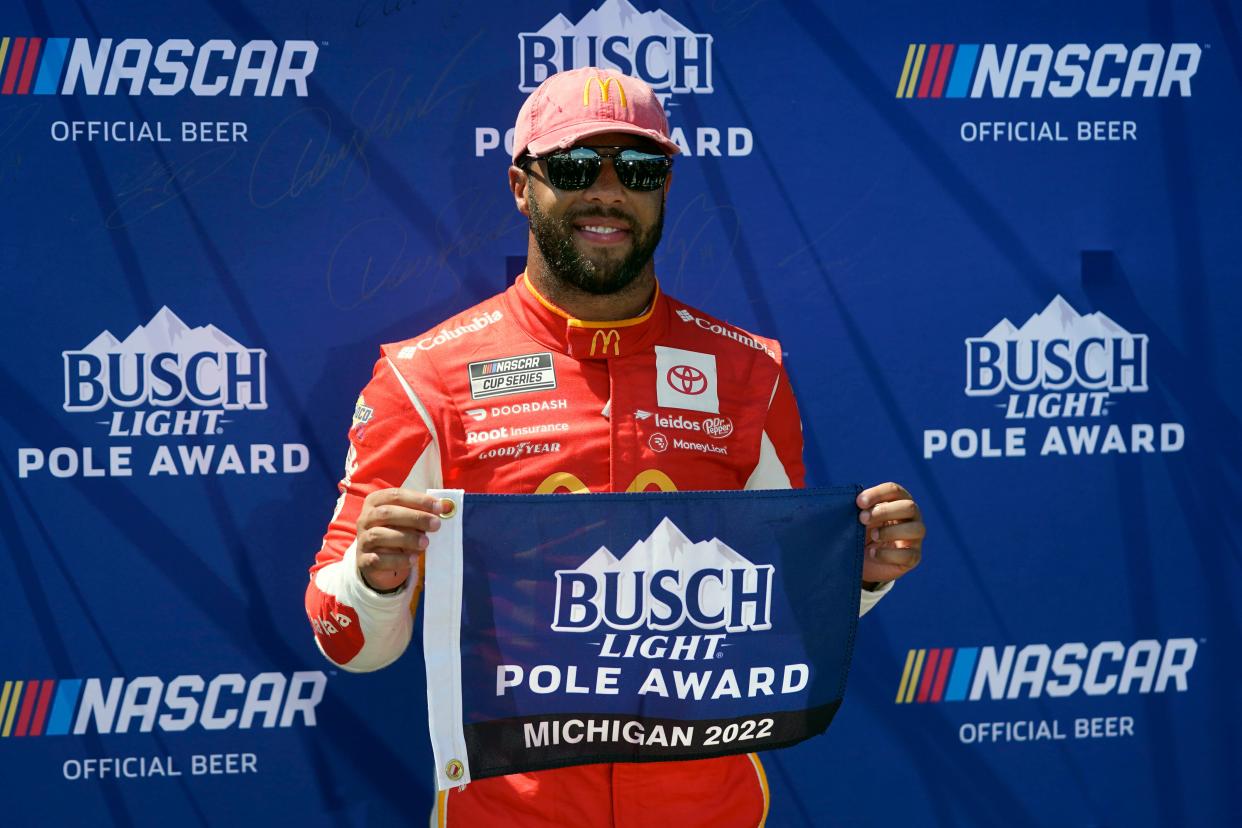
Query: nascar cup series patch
[(635, 627)]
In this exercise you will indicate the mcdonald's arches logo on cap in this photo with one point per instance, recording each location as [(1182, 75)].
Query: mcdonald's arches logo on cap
[(604, 84)]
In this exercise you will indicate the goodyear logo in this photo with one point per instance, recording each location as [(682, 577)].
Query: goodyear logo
[(973, 70), (133, 66), (949, 674), (58, 707)]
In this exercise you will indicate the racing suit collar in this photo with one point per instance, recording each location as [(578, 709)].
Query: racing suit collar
[(553, 327)]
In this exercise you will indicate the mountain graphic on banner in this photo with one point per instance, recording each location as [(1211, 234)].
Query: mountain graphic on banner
[(668, 548), (165, 333), (616, 17), (1057, 321)]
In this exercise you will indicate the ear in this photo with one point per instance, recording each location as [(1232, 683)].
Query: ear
[(668, 182), (518, 182)]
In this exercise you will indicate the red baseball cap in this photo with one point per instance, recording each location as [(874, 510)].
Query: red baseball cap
[(577, 104)]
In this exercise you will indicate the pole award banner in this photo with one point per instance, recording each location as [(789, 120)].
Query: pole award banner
[(636, 627)]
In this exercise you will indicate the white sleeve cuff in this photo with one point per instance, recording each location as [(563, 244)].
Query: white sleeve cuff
[(871, 598)]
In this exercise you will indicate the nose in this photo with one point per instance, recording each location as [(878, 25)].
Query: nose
[(607, 188)]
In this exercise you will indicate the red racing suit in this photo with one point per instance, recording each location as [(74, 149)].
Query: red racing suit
[(515, 396)]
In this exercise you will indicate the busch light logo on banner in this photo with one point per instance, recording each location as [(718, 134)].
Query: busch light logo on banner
[(652, 46), (161, 365), (170, 382), (661, 584), (1064, 371), (541, 652)]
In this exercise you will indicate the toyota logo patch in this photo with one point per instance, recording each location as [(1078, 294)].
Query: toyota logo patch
[(687, 379)]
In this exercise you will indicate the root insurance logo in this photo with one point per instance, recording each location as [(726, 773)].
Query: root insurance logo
[(1055, 381), (176, 390)]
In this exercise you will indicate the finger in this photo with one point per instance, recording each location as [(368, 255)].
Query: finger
[(881, 494), (874, 571), (905, 558), (408, 498), (386, 560), (398, 517), (381, 537), (909, 530), (896, 510)]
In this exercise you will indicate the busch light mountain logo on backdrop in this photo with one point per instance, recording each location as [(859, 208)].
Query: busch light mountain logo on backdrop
[(652, 45), (1057, 366), (1056, 351), (663, 583), (166, 365), (169, 381)]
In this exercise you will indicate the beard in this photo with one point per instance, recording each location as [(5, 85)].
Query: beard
[(595, 276)]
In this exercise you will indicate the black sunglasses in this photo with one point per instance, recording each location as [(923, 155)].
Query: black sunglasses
[(577, 168)]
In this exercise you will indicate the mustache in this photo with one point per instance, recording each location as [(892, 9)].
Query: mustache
[(601, 212)]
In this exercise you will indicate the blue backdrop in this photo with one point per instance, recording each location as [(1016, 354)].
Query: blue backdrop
[(998, 244)]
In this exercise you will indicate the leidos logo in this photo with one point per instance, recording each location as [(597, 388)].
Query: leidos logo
[(649, 45), (73, 66), (1108, 668), (972, 70), (1058, 365), (664, 583), (228, 701)]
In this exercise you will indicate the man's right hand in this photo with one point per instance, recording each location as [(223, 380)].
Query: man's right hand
[(392, 534)]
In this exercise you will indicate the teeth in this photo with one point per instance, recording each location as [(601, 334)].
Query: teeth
[(595, 228)]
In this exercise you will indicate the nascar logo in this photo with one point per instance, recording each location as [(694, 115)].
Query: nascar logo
[(46, 707), (56, 66), (973, 673), (952, 70)]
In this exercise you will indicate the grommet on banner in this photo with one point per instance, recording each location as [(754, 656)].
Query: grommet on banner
[(454, 769), (449, 507)]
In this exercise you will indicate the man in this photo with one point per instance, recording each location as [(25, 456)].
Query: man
[(558, 385)]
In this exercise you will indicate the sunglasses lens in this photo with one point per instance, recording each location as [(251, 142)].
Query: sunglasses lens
[(574, 169), (577, 169), (641, 171)]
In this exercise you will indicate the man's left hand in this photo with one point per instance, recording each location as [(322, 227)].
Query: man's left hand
[(895, 533)]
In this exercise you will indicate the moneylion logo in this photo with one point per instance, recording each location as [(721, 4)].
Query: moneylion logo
[(650, 45), (663, 583), (604, 85)]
